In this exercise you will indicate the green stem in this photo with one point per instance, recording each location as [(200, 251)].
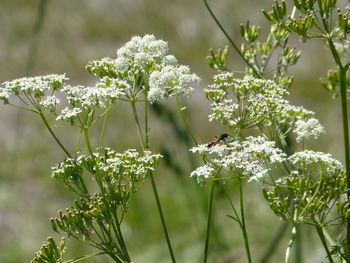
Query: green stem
[(134, 111), (344, 108), (290, 244), (165, 230), (243, 226), (324, 243), (209, 217), (183, 118), (53, 134), (87, 140), (146, 122), (145, 146), (84, 257), (103, 128), (298, 254), (258, 74), (120, 236), (21, 108)]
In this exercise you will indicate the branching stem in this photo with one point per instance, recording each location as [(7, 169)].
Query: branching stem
[(53, 134), (256, 72)]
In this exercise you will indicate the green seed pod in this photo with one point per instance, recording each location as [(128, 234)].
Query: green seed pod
[(53, 225), (278, 12), (249, 33), (304, 5), (216, 60), (343, 22), (279, 33), (290, 56), (326, 6)]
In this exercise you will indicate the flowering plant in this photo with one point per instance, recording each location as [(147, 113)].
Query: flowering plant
[(142, 72), (266, 142)]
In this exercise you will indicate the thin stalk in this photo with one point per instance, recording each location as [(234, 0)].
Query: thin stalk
[(298, 254), (136, 118), (85, 257), (344, 109), (183, 118), (165, 230), (345, 117), (243, 226), (115, 257), (144, 145), (103, 128), (290, 245), (87, 140), (209, 217), (21, 108), (120, 236), (146, 122), (53, 134), (324, 243), (258, 74)]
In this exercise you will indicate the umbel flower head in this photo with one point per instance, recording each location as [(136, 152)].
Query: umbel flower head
[(144, 64), (118, 176), (315, 183), (251, 158), (249, 102), (50, 252), (143, 68), (121, 173), (33, 89)]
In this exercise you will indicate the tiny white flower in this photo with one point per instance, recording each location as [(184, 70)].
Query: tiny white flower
[(174, 81), (68, 114), (307, 128), (146, 59), (306, 159), (34, 86), (251, 157), (156, 94), (169, 60), (203, 173), (50, 103)]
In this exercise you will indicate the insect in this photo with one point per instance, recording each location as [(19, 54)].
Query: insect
[(217, 139)]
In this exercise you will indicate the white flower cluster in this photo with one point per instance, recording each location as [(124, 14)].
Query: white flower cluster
[(32, 87), (307, 128), (250, 158), (129, 163), (85, 99), (257, 102), (69, 114), (144, 63), (127, 168), (68, 171), (306, 160), (170, 81), (50, 103)]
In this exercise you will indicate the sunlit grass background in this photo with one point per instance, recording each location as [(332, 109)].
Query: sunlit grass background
[(74, 32)]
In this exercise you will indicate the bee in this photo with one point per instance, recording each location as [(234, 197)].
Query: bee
[(217, 139)]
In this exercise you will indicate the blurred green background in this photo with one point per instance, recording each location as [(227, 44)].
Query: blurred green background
[(71, 33)]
